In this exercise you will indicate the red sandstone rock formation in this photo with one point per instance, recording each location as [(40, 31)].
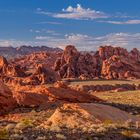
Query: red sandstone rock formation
[(32, 69), (44, 75), (73, 64), (30, 61), (7, 101), (120, 67), (108, 62), (105, 52), (37, 68), (118, 63), (42, 95)]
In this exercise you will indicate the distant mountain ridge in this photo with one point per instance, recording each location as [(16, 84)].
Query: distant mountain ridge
[(13, 52)]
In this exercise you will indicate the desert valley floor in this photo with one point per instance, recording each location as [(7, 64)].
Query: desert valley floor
[(62, 120)]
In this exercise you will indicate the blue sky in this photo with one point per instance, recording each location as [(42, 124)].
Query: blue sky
[(84, 23)]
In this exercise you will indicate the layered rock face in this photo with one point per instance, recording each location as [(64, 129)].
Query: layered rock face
[(43, 95), (7, 102), (73, 64), (29, 70), (120, 65), (108, 62)]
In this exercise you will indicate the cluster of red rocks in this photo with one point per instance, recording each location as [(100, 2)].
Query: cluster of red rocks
[(118, 63), (35, 96), (28, 70), (108, 63), (42, 67), (73, 64)]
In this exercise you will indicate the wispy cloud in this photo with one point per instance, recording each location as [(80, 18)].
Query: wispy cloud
[(45, 31), (78, 13), (81, 41), (129, 22), (49, 22), (85, 42), (14, 42)]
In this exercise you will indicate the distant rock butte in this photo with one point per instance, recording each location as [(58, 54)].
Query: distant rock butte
[(13, 52)]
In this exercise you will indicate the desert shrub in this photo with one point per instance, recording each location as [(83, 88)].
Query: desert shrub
[(107, 122), (26, 122), (4, 134), (23, 124)]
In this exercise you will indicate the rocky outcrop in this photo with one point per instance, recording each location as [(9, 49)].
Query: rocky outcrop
[(7, 69), (105, 52), (48, 67), (42, 95), (44, 75), (84, 115), (29, 61), (107, 63), (120, 67), (33, 71), (118, 63), (7, 102), (73, 64)]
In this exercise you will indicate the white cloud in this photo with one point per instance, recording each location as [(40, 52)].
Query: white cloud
[(81, 41), (85, 42), (78, 13), (43, 37), (129, 22), (14, 43), (45, 31)]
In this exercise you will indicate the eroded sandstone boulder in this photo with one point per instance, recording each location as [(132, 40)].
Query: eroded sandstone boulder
[(7, 102)]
